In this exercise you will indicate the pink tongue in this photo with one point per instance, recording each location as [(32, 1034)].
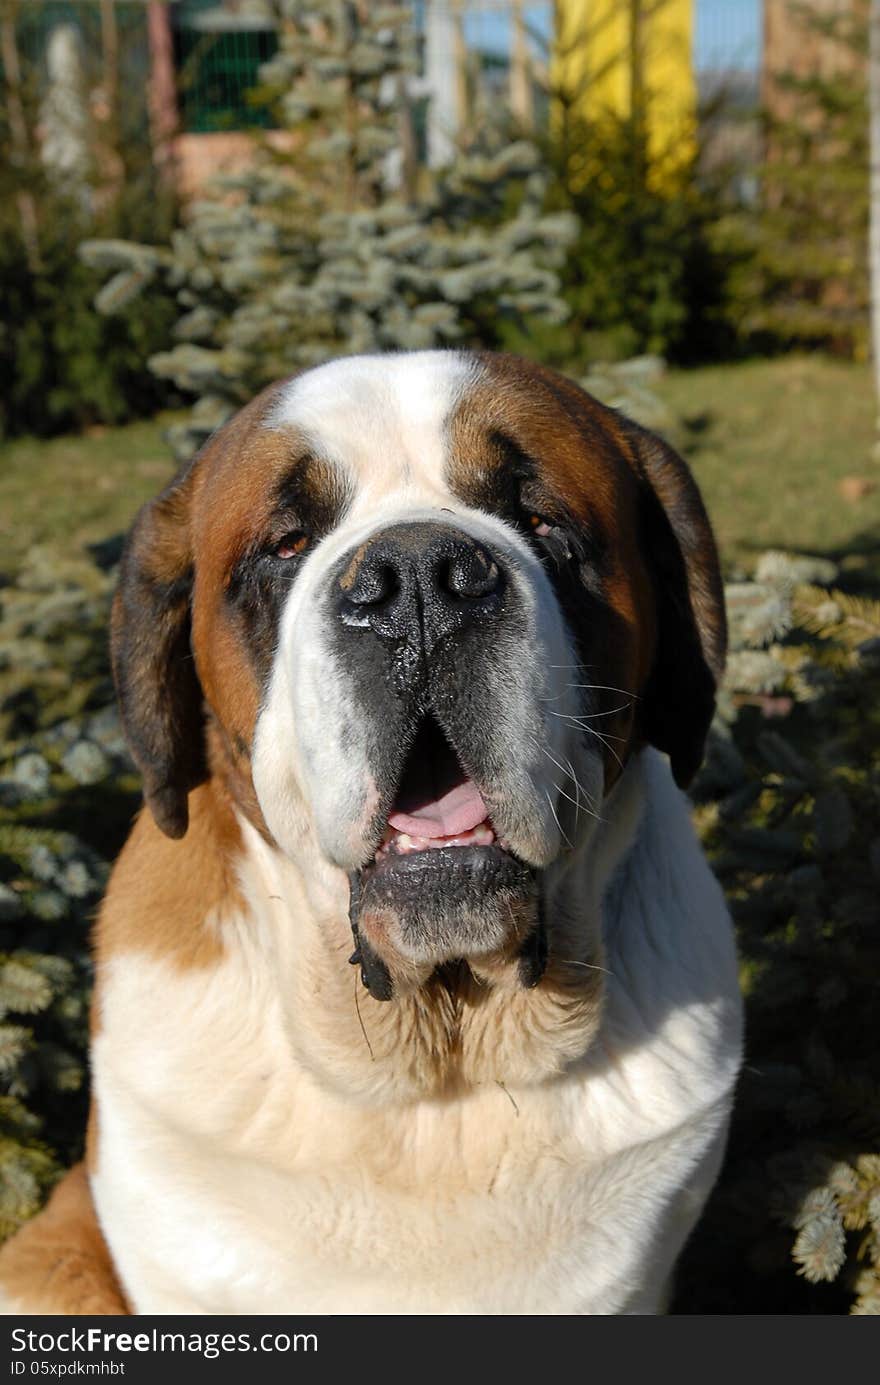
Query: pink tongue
[(455, 813)]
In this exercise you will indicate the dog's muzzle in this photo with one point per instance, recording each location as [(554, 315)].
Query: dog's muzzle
[(411, 601)]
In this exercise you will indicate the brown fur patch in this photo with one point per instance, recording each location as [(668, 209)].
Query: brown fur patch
[(176, 644), (237, 474), (60, 1263), (682, 503), (162, 892)]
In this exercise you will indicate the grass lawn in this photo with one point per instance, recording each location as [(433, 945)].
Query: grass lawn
[(79, 489), (770, 443)]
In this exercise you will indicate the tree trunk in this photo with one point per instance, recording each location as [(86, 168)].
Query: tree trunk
[(521, 103), (18, 131), (162, 89), (110, 59), (446, 80)]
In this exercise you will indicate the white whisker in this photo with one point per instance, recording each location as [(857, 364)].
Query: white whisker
[(578, 787), (580, 724), (566, 796), (556, 819), (592, 966), (591, 716), (605, 687), (606, 741)]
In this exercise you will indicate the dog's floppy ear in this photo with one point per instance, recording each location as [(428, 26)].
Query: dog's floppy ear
[(679, 700), (159, 693)]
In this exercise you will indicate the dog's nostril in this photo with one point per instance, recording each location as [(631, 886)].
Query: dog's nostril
[(415, 583), (375, 584), (470, 573)]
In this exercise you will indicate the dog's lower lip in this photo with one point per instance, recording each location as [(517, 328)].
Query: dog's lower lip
[(452, 865)]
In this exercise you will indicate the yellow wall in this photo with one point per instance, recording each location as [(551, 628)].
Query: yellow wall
[(594, 65)]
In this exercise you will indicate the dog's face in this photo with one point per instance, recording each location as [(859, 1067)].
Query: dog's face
[(429, 606)]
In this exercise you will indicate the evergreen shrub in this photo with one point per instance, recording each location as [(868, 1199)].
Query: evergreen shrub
[(63, 366)]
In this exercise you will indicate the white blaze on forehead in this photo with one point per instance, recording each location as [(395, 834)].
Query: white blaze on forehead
[(383, 418)]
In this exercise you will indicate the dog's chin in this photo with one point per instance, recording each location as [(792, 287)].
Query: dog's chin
[(465, 902)]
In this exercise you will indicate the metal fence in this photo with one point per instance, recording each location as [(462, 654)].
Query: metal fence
[(218, 76)]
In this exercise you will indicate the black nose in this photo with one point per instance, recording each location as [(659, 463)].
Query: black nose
[(420, 580)]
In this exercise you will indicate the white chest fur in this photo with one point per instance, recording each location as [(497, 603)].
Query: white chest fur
[(229, 1181)]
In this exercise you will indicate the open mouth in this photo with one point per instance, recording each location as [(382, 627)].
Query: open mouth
[(442, 884), (437, 804)]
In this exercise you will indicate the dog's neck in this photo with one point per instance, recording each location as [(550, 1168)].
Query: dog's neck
[(468, 1026)]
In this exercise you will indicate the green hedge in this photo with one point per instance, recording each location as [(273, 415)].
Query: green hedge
[(67, 796), (62, 365)]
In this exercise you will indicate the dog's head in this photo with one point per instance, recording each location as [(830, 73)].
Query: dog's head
[(423, 608)]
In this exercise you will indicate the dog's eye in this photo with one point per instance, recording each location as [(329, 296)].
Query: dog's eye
[(293, 544), (540, 526), (556, 541)]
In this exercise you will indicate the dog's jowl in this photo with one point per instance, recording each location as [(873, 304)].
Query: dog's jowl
[(415, 993)]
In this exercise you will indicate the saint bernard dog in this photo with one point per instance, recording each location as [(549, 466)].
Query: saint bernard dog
[(415, 993)]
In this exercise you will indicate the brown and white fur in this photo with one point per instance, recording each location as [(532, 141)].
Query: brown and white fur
[(533, 1120)]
